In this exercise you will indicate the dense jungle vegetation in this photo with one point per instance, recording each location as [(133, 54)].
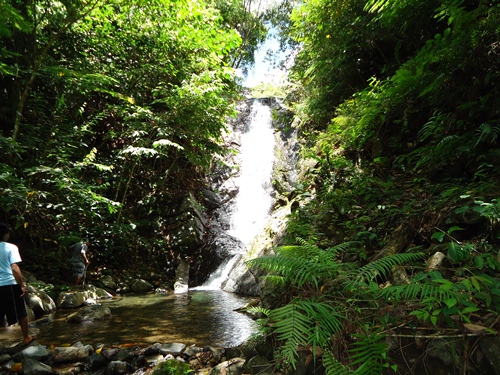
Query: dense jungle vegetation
[(110, 110)]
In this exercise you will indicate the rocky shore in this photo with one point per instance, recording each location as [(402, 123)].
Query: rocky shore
[(251, 357)]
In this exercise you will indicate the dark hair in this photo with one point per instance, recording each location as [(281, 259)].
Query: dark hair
[(4, 229)]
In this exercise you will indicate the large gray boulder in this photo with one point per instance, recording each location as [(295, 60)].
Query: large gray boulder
[(37, 352), (89, 314)]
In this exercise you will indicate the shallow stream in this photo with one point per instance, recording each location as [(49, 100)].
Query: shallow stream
[(200, 317)]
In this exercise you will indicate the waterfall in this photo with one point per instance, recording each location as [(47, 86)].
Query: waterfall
[(253, 202), (252, 205)]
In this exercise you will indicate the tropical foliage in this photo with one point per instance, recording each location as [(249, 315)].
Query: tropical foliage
[(110, 110), (397, 105)]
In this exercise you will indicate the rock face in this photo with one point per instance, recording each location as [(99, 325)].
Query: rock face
[(241, 279), (188, 225)]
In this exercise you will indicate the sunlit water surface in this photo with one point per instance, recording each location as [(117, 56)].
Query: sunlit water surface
[(199, 317)]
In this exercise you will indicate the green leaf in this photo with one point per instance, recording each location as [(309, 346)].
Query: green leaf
[(450, 302), (470, 309), (438, 236)]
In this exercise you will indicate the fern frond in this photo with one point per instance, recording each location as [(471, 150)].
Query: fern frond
[(381, 267), (303, 264), (369, 353), (417, 292), (258, 310), (276, 280), (279, 264), (433, 126), (448, 141), (334, 367), (304, 323)]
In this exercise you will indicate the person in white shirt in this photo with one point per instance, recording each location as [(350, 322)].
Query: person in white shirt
[(12, 287)]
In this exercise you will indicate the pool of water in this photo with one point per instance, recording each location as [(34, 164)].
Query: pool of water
[(204, 317)]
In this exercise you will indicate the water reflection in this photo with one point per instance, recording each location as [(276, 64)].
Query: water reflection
[(199, 317)]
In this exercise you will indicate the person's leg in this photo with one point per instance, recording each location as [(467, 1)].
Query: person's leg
[(78, 268), (23, 322), (19, 313)]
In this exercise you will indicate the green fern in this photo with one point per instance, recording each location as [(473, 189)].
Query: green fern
[(301, 264), (333, 366), (258, 310), (369, 353), (304, 323), (380, 268), (438, 292)]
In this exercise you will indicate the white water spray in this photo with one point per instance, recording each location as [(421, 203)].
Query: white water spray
[(253, 202)]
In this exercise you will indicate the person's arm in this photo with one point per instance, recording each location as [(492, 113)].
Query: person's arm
[(16, 271), (84, 253)]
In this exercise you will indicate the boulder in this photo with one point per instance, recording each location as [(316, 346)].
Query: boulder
[(173, 348), (70, 300), (490, 346), (188, 225), (141, 286), (70, 354), (39, 301), (89, 314), (117, 368), (37, 352), (95, 293), (34, 367), (95, 362), (108, 282), (233, 366), (259, 365), (4, 358)]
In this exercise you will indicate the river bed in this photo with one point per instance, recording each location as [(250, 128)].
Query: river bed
[(204, 317)]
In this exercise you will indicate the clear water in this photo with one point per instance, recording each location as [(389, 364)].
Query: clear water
[(199, 317)]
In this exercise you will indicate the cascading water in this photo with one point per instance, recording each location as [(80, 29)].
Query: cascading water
[(253, 202), (250, 211)]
